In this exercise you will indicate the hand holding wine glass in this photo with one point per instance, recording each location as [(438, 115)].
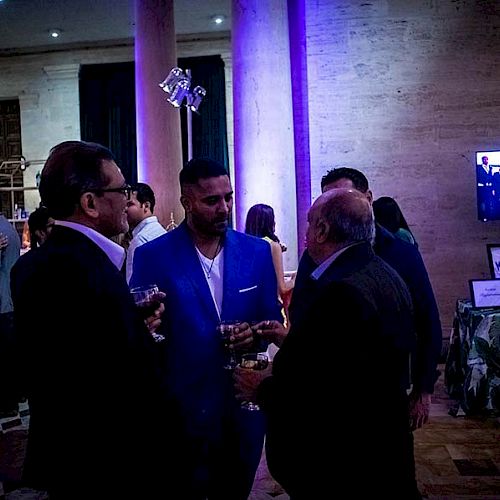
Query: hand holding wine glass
[(148, 299), (226, 331), (252, 370)]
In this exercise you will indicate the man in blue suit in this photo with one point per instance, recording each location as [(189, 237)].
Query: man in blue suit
[(210, 274)]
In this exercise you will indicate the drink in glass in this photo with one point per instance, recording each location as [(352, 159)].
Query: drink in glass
[(146, 298), (253, 361)]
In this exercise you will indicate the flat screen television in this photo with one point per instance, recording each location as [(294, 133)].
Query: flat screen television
[(488, 185)]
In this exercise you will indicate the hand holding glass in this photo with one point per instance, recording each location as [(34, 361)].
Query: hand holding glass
[(226, 330), (147, 299), (253, 361)]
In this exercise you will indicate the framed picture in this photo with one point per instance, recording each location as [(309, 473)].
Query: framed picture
[(485, 293), (493, 250)]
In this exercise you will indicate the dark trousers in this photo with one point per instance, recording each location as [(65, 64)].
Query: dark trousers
[(9, 368)]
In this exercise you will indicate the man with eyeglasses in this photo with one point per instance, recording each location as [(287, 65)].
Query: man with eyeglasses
[(88, 356)]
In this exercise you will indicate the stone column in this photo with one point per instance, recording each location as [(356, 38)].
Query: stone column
[(300, 92), (263, 120), (159, 150)]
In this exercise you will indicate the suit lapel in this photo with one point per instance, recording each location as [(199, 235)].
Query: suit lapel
[(236, 263), (190, 266)]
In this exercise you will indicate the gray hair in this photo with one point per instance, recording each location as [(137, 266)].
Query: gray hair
[(350, 217)]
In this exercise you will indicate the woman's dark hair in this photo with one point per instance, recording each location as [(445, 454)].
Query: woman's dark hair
[(388, 214), (260, 222), (38, 221)]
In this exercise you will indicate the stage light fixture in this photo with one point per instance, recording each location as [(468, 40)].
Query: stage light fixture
[(178, 85)]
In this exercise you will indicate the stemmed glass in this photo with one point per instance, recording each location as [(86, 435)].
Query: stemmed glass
[(226, 330), (146, 298), (253, 361)]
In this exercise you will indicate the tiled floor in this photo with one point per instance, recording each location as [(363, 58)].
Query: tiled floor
[(457, 457)]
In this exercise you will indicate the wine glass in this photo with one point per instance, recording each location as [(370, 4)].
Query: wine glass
[(226, 330), (253, 361), (147, 300)]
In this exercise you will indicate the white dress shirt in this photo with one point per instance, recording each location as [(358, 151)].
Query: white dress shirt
[(115, 252), (147, 230)]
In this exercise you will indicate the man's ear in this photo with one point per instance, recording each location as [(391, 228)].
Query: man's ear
[(369, 196), (146, 206), (322, 230), (88, 205), (186, 203)]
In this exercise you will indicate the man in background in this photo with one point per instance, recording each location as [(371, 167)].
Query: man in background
[(341, 415), (209, 273), (143, 224), (86, 351), (9, 363), (407, 261)]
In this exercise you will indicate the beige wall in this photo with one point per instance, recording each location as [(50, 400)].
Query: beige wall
[(407, 91), (46, 85)]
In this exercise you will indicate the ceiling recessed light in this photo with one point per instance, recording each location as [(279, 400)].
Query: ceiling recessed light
[(55, 33), (218, 19)]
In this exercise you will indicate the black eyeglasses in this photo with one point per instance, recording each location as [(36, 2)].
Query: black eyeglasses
[(125, 190)]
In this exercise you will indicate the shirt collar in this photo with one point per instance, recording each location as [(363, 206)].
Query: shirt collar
[(115, 252), (317, 273), (148, 220)]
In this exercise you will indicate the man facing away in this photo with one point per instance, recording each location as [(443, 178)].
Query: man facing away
[(407, 261), (209, 273), (87, 355), (9, 364), (341, 415), (143, 224)]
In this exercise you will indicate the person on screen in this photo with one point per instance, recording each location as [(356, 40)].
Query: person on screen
[(484, 173), (485, 198)]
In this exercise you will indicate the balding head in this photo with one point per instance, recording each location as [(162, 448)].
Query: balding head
[(338, 218)]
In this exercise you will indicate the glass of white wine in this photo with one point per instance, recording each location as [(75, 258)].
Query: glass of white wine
[(253, 361)]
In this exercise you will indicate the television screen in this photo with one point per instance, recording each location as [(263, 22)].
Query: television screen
[(488, 185)]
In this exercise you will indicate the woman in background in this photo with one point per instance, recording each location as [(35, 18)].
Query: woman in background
[(260, 222), (40, 225), (389, 215)]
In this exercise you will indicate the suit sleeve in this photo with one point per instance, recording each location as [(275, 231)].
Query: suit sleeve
[(142, 270), (427, 325), (270, 304)]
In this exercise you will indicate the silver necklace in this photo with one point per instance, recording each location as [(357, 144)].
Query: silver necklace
[(208, 269)]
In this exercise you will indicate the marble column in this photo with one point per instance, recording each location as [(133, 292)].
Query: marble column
[(159, 150), (263, 119), (300, 92)]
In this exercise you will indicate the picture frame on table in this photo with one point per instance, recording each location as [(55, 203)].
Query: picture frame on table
[(485, 293), (493, 250)]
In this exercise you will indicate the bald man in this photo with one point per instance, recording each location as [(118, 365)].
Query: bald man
[(342, 413)]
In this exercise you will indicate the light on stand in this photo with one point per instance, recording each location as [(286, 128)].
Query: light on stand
[(178, 85), (171, 81), (179, 92), (196, 97)]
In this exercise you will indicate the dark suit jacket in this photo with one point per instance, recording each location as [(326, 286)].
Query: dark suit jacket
[(407, 261), (93, 396), (483, 177), (336, 409), (202, 391)]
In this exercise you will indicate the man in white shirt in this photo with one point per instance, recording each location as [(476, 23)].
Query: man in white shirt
[(143, 224)]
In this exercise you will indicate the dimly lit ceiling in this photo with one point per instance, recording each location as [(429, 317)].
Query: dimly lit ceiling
[(26, 24)]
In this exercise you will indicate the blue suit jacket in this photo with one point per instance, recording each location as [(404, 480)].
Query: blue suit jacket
[(195, 378)]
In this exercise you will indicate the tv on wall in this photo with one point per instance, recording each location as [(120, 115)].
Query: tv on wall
[(488, 185)]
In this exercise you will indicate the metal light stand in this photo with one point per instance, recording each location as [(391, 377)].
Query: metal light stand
[(178, 85)]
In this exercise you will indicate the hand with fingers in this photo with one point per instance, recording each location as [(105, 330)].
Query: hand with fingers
[(271, 331)]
